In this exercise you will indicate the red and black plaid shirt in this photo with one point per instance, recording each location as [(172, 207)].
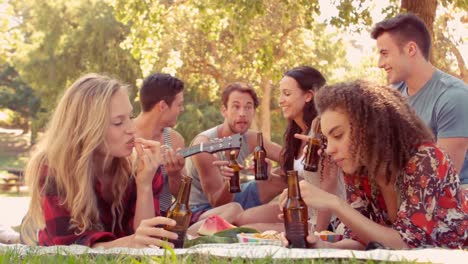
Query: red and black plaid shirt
[(57, 218)]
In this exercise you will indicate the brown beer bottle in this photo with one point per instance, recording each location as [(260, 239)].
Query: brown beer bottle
[(295, 214), (311, 160), (261, 173), (181, 213), (234, 182)]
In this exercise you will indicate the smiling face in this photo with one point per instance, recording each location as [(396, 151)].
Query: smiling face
[(120, 134), (393, 59), (336, 127), (292, 99), (240, 111)]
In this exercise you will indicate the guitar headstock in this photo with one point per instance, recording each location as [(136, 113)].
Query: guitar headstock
[(225, 143)]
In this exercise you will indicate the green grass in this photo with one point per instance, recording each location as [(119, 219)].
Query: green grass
[(15, 257)]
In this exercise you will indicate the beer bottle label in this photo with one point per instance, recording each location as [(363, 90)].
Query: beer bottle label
[(296, 234)]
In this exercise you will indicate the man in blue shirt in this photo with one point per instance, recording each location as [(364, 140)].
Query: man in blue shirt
[(440, 99)]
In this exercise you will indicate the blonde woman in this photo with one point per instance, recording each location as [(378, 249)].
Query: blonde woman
[(83, 186)]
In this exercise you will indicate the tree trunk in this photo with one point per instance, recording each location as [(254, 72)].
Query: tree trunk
[(265, 111), (424, 9)]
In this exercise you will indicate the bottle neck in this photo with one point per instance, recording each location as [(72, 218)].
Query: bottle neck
[(293, 186), (184, 191), (260, 139)]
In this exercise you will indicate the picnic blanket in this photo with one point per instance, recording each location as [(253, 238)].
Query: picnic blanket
[(258, 250)]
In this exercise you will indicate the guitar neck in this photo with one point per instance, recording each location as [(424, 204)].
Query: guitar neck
[(192, 150), (231, 142)]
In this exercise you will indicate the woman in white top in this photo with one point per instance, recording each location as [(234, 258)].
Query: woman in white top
[(297, 91)]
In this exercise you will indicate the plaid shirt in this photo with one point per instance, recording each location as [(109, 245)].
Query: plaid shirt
[(58, 232)]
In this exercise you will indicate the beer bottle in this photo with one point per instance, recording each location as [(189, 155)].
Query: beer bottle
[(181, 213), (261, 173), (311, 160), (234, 182), (295, 214)]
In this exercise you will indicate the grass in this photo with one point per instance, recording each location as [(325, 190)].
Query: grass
[(15, 257)]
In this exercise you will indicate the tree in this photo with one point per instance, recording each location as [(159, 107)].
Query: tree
[(17, 96), (57, 41), (444, 53), (213, 42)]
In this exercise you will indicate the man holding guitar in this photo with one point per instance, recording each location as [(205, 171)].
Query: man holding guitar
[(209, 189), (162, 101)]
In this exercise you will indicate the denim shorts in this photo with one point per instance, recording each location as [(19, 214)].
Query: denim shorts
[(247, 198)]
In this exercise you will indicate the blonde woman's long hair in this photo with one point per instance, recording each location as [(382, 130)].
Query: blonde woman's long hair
[(64, 157)]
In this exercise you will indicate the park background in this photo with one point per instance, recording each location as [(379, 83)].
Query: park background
[(46, 45)]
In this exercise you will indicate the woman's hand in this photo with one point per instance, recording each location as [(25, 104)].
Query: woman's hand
[(148, 160), (315, 197), (148, 235)]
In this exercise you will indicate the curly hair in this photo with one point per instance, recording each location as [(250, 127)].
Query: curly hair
[(308, 79), (385, 131)]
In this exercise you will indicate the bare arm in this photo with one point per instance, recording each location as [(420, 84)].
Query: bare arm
[(328, 183), (363, 227), (366, 229), (212, 181), (149, 156), (456, 148), (273, 150)]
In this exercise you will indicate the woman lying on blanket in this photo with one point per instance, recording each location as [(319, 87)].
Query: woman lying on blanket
[(402, 190), (83, 185)]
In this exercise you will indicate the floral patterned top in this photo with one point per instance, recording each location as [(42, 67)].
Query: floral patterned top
[(433, 210)]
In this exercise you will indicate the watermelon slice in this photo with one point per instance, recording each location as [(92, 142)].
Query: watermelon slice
[(214, 224)]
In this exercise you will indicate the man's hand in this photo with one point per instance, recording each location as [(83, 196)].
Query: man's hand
[(173, 162)]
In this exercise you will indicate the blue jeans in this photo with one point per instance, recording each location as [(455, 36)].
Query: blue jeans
[(247, 198)]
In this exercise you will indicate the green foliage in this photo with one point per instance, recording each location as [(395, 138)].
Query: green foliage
[(17, 96), (213, 42), (57, 41)]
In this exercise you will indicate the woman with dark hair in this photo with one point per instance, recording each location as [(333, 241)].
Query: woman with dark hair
[(402, 189), (297, 91)]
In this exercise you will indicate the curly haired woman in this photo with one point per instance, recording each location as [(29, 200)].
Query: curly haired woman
[(84, 188), (402, 190)]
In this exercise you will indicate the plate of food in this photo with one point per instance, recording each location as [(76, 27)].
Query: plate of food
[(329, 236), (268, 237)]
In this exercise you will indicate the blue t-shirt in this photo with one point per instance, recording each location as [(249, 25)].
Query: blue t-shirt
[(442, 103)]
